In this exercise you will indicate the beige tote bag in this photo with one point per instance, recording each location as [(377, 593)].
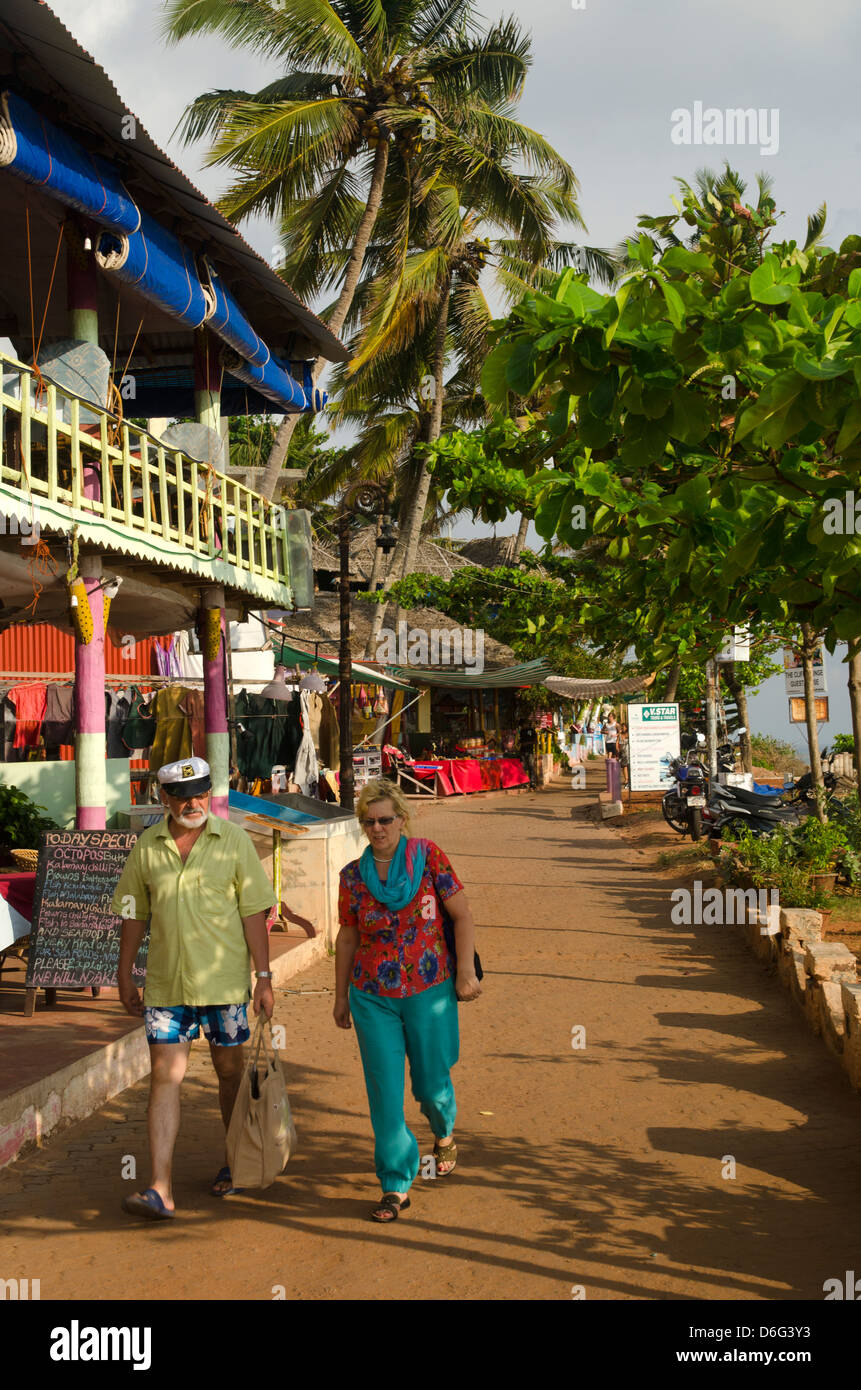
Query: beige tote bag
[(261, 1135)]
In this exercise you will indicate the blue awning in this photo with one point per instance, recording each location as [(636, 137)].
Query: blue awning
[(141, 253), (229, 322), (42, 154), (272, 381), (156, 264)]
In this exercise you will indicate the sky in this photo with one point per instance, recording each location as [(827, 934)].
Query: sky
[(611, 82)]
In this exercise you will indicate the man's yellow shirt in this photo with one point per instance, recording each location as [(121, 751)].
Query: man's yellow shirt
[(198, 954)]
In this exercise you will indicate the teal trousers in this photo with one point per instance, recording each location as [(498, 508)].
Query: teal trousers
[(422, 1027)]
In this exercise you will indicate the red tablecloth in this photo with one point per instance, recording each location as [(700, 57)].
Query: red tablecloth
[(463, 775), (18, 891)]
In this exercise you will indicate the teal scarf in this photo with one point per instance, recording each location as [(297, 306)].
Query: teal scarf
[(405, 873)]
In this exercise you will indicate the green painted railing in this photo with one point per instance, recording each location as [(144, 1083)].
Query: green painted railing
[(116, 471)]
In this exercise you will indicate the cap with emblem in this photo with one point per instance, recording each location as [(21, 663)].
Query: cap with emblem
[(188, 777)]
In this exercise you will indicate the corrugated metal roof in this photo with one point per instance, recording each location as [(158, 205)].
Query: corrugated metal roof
[(60, 62), (29, 647)]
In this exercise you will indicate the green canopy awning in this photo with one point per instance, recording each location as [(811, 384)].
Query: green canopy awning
[(528, 673), (295, 656)]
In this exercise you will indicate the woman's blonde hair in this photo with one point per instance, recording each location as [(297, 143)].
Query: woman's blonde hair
[(381, 789)]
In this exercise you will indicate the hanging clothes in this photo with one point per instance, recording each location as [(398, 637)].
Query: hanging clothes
[(58, 729), (118, 703), (139, 730), (30, 702), (8, 716), (260, 734), (306, 773), (323, 727), (193, 707), (167, 659), (172, 733)]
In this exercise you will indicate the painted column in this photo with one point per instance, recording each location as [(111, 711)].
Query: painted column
[(207, 381), (213, 641), (82, 301), (90, 767), (82, 283)]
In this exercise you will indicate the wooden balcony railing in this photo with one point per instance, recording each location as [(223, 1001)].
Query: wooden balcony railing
[(57, 448)]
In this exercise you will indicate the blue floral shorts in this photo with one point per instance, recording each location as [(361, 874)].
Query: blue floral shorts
[(225, 1025)]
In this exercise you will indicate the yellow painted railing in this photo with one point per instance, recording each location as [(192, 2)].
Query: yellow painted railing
[(119, 473)]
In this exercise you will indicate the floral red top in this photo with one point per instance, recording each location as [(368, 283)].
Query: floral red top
[(399, 953)]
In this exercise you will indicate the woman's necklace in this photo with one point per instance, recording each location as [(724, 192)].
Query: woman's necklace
[(382, 861)]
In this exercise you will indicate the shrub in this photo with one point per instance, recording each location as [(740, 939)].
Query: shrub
[(843, 743), (775, 754), (21, 822)]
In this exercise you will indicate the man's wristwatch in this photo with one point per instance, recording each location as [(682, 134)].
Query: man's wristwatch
[(263, 974)]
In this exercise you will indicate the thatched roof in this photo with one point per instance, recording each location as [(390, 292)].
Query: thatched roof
[(434, 559), (322, 625), (490, 551)]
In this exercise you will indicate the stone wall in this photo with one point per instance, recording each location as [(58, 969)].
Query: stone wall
[(821, 975)]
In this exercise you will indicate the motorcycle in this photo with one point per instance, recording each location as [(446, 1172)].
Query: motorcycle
[(684, 803)]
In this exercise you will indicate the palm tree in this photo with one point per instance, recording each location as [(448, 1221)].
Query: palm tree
[(314, 147)]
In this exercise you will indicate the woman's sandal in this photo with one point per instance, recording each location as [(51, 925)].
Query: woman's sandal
[(389, 1203), (446, 1153)]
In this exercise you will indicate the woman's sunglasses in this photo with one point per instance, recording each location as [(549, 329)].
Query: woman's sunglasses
[(370, 821)]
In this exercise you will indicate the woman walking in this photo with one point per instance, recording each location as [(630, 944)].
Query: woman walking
[(396, 977)]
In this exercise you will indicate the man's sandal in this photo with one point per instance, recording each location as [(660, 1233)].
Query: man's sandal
[(445, 1153), (389, 1203)]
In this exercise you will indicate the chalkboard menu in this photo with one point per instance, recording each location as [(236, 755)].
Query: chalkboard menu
[(75, 937)]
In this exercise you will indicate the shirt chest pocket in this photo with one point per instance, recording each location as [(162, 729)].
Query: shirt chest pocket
[(212, 887)]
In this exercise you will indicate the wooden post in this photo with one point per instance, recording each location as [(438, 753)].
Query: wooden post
[(90, 767), (215, 698)]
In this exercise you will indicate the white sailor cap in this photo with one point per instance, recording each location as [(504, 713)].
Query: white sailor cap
[(187, 777)]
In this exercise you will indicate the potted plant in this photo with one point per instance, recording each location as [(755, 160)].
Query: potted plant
[(22, 822)]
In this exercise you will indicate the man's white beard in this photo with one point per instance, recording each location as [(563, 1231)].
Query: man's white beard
[(190, 823)]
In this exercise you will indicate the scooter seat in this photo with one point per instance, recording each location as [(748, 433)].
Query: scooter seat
[(746, 798)]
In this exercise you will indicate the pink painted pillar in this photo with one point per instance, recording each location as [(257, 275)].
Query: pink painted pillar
[(213, 645), (90, 768)]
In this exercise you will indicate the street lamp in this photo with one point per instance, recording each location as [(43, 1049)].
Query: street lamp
[(364, 499)]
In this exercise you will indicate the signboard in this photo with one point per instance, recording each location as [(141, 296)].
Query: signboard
[(797, 714), (794, 672), (75, 937), (737, 646), (653, 733)]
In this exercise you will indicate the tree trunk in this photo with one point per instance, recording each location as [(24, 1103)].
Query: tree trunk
[(520, 538), (377, 567), (855, 701), (395, 566), (672, 682), (420, 496), (413, 508), (809, 644), (278, 454), (739, 694)]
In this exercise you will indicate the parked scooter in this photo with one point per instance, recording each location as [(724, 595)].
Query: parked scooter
[(738, 808), (684, 803)]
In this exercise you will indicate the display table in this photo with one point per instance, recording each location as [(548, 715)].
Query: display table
[(459, 776), (16, 907)]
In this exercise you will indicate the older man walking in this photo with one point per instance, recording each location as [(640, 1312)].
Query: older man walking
[(198, 880)]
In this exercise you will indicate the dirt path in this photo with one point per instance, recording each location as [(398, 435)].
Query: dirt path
[(598, 1167)]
